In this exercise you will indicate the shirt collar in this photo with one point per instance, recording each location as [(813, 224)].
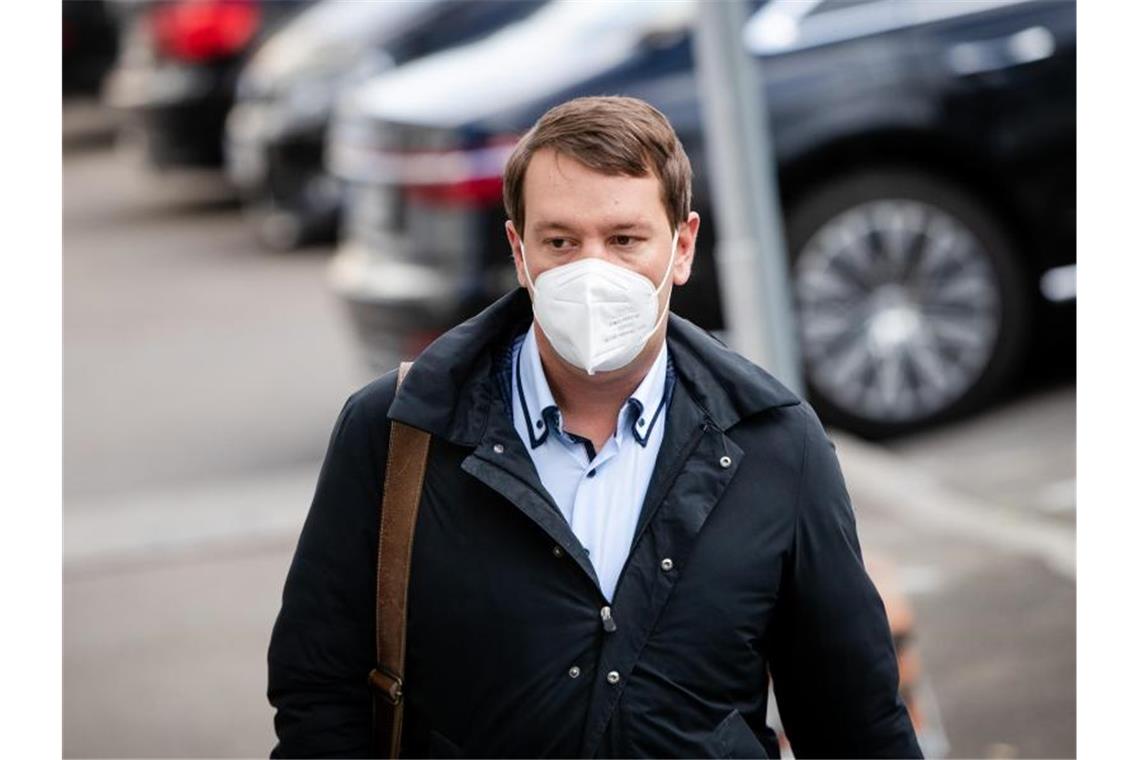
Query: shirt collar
[(639, 415)]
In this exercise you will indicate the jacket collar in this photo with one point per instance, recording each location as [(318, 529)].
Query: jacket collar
[(448, 391)]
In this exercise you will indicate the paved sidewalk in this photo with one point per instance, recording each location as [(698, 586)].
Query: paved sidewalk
[(994, 596), (167, 629), (166, 657)]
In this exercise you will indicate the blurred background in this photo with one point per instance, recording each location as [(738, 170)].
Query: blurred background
[(266, 204)]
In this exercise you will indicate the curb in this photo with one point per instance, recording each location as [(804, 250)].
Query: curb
[(877, 476)]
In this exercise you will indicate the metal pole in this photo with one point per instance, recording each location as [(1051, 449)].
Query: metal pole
[(750, 256)]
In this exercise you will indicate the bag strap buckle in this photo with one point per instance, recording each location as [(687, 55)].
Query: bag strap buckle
[(387, 683)]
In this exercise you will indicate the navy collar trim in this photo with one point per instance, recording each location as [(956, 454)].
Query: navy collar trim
[(550, 415), (670, 379)]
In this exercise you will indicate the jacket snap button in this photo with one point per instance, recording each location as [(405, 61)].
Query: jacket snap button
[(557, 551), (725, 462), (574, 671), (666, 564), (498, 447), (613, 676)]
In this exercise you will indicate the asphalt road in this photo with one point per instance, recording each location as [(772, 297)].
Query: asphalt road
[(202, 376), (189, 353)]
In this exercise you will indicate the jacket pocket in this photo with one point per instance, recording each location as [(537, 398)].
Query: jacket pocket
[(733, 738), (440, 746)]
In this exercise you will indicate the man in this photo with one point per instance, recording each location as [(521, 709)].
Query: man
[(625, 526)]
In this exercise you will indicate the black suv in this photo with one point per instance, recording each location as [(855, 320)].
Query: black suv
[(926, 156)]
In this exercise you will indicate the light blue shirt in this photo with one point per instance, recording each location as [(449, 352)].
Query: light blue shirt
[(599, 495)]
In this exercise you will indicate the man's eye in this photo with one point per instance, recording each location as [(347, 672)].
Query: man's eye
[(623, 240), (558, 243)]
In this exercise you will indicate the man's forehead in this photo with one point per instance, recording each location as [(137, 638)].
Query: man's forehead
[(573, 195), (560, 173)]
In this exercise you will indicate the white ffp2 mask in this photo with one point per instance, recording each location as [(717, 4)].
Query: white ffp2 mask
[(598, 316)]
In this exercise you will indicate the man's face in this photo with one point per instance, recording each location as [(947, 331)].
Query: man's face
[(574, 212)]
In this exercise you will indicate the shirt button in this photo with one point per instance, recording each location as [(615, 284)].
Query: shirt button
[(641, 423), (574, 671), (498, 447), (666, 564), (613, 676), (591, 473), (726, 462), (557, 551), (538, 424)]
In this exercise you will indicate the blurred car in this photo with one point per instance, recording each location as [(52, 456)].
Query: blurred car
[(926, 162), (90, 44), (422, 239), (275, 134), (175, 77)]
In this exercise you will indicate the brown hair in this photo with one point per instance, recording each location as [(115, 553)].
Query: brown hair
[(612, 135)]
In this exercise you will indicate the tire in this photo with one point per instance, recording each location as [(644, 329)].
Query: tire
[(283, 229), (290, 214), (911, 302)]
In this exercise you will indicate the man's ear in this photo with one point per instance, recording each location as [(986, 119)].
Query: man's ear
[(515, 241), (686, 247)]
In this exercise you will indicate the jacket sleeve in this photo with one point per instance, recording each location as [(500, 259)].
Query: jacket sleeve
[(323, 642), (832, 659)]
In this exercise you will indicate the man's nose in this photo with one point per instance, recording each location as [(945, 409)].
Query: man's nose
[(595, 248)]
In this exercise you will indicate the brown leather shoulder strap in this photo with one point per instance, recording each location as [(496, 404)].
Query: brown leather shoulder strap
[(403, 485)]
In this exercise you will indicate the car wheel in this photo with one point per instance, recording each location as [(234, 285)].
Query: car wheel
[(310, 215), (910, 301)]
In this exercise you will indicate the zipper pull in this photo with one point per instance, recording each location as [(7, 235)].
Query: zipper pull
[(608, 624)]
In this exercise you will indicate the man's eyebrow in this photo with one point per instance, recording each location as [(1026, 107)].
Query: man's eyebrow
[(555, 226), (635, 225)]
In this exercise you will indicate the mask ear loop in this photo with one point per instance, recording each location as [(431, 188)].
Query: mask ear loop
[(533, 289), (526, 269), (668, 272)]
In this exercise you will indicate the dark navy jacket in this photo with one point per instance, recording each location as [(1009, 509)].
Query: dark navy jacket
[(765, 576)]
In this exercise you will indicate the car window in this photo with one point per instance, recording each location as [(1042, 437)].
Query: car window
[(837, 5), (784, 26)]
